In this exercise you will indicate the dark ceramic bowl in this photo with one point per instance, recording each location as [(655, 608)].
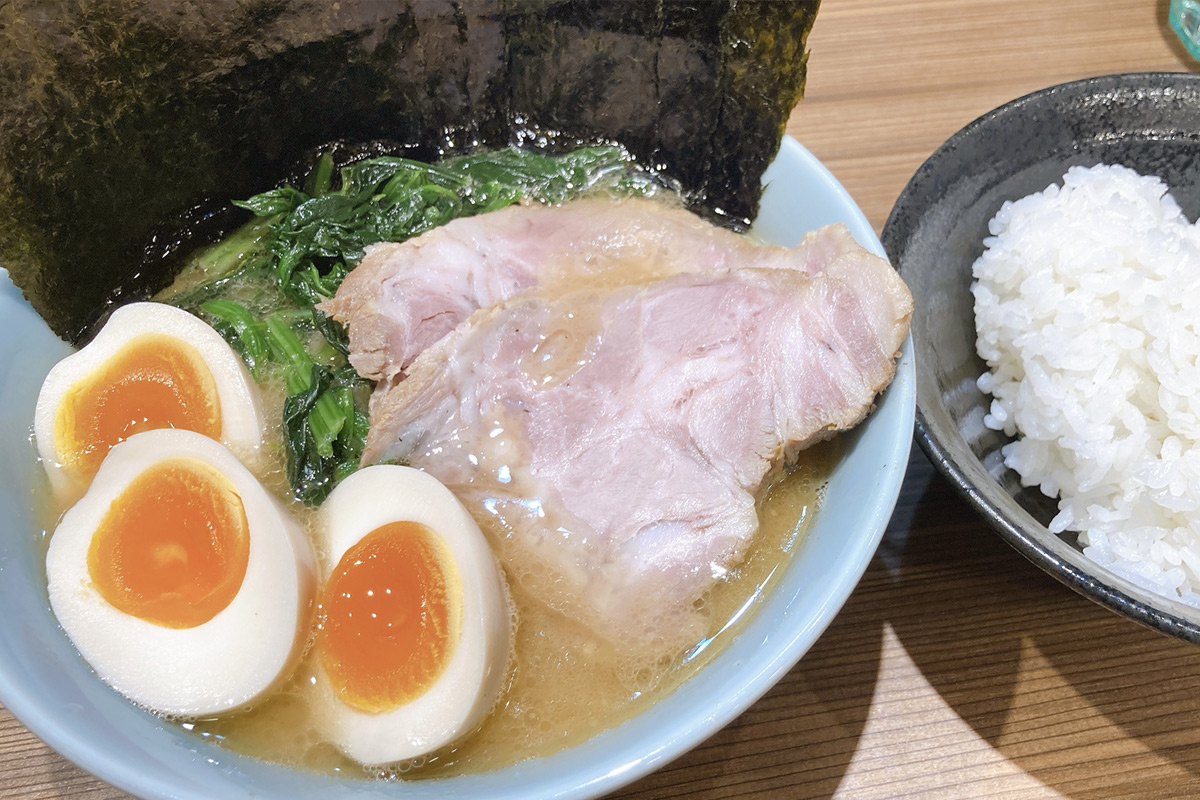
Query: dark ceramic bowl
[(1149, 122)]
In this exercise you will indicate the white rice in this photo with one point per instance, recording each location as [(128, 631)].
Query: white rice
[(1087, 306)]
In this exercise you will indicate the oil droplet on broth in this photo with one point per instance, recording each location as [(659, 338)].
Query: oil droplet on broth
[(563, 350)]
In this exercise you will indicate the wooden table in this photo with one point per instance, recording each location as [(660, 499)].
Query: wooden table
[(956, 669)]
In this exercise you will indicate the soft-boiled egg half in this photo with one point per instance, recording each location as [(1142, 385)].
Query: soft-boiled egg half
[(414, 623), (151, 366), (180, 580)]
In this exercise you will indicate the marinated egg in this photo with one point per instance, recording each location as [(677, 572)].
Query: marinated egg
[(151, 366), (180, 580), (414, 620)]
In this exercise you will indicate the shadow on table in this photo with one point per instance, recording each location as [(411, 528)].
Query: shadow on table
[(1055, 682)]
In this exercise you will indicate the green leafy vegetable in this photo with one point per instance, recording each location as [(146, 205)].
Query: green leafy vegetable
[(245, 333), (324, 432), (289, 351)]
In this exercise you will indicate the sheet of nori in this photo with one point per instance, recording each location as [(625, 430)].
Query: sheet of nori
[(125, 120)]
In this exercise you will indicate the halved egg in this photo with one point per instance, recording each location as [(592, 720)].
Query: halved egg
[(414, 625), (151, 366), (180, 580)]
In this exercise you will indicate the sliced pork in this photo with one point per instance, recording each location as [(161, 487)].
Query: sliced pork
[(404, 297), (611, 438)]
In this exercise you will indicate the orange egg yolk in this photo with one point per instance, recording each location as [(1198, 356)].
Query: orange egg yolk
[(154, 381), (173, 547), (391, 617)]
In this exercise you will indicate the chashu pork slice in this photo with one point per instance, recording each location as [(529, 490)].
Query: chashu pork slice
[(403, 297), (611, 439)]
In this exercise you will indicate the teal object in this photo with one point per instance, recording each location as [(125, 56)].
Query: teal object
[(1185, 21)]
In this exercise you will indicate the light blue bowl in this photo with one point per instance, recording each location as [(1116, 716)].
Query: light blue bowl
[(48, 687)]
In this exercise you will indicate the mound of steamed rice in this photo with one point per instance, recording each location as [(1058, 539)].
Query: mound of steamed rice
[(1087, 306)]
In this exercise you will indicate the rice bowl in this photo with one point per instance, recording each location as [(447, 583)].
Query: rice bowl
[(936, 230), (1085, 299)]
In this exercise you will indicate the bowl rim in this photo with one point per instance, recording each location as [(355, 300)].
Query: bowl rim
[(999, 509)]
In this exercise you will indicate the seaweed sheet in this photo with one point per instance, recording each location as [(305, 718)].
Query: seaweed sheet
[(125, 122)]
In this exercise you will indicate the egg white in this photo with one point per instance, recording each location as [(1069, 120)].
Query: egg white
[(242, 422), (472, 680), (223, 664)]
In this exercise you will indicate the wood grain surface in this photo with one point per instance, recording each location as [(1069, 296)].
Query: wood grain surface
[(956, 669)]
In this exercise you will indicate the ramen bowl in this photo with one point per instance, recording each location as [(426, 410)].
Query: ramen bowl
[(45, 683)]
